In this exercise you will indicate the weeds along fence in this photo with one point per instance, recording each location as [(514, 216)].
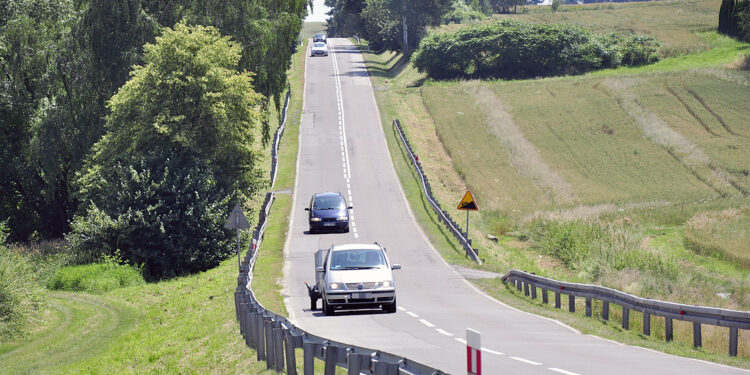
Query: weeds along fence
[(442, 215), (275, 339), (698, 315)]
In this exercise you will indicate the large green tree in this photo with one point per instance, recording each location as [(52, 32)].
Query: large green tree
[(49, 116), (179, 143)]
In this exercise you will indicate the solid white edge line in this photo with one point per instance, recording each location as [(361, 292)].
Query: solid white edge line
[(563, 371), (524, 360), (287, 264), (426, 323)]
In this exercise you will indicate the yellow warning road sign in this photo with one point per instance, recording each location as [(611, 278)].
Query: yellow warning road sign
[(468, 203)]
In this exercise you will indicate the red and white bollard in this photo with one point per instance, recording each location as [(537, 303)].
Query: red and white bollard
[(473, 352)]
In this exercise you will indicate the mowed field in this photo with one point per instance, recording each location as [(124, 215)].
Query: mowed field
[(564, 143)]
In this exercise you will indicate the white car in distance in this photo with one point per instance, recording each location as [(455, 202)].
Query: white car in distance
[(319, 48)]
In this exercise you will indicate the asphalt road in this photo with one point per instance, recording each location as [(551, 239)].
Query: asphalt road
[(342, 148)]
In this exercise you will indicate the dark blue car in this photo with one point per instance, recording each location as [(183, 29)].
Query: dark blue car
[(328, 211)]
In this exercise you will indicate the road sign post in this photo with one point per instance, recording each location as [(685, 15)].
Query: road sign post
[(473, 352), (468, 204), (237, 220)]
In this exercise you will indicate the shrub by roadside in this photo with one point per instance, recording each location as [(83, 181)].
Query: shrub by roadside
[(96, 277), (21, 296)]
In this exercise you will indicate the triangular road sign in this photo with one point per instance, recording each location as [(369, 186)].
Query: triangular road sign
[(468, 203), (237, 219)]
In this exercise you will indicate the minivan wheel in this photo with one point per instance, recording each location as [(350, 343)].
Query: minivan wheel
[(327, 309), (390, 307)]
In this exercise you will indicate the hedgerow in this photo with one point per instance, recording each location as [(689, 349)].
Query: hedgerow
[(512, 49)]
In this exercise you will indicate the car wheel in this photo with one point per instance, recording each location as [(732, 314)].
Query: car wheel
[(327, 309), (390, 308)]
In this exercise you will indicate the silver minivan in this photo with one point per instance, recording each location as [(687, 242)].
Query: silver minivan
[(354, 276)]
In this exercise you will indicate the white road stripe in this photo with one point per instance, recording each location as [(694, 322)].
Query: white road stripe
[(401, 308), (460, 340), (426, 323), (526, 361), (413, 315), (441, 331), (563, 371), (492, 351)]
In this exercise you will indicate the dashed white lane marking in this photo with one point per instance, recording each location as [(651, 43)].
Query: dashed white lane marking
[(460, 340), (563, 371), (426, 323), (401, 308), (519, 359), (443, 332), (413, 315), (495, 352)]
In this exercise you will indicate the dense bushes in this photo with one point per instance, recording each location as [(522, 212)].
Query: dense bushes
[(734, 19), (21, 297), (512, 49)]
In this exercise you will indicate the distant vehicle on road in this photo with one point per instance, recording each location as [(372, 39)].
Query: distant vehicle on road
[(328, 211), (319, 48), (354, 276), (319, 37)]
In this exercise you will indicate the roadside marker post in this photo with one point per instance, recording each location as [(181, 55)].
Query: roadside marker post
[(473, 352), (237, 220)]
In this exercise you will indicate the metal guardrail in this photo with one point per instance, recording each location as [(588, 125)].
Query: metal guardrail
[(275, 339), (442, 215), (733, 319)]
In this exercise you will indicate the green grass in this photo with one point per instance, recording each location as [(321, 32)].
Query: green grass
[(95, 278), (592, 139), (724, 234)]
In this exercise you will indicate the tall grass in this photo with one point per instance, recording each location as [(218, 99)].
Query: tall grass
[(725, 234), (594, 248), (96, 278), (21, 296)]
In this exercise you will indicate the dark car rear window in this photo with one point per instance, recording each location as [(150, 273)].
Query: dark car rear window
[(329, 203)]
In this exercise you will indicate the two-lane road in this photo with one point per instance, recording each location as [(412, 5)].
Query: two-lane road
[(342, 148)]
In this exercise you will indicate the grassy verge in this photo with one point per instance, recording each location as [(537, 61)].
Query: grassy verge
[(655, 229)]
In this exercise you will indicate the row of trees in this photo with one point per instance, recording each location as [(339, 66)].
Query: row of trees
[(61, 60), (734, 19), (397, 25), (513, 49), (122, 122)]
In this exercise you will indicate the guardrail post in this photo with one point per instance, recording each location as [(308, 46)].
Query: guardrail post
[(625, 318), (557, 300), (697, 335), (605, 310), (331, 354), (733, 335), (533, 291), (260, 343), (588, 306), (291, 361), (526, 291), (270, 350), (669, 332), (384, 368), (646, 323), (278, 340), (571, 303), (545, 297), (308, 362), (240, 315), (354, 363), (518, 284)]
